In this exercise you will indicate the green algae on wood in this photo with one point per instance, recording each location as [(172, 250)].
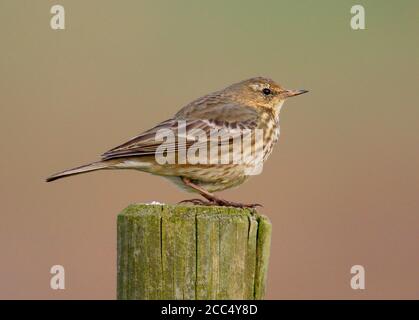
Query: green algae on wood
[(191, 252)]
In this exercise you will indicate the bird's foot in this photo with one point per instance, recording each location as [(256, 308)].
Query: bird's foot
[(222, 203)]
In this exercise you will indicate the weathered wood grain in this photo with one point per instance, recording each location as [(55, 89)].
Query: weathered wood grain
[(192, 252)]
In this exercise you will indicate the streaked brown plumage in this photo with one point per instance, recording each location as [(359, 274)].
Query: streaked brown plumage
[(251, 104)]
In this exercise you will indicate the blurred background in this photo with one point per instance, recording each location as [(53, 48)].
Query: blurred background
[(341, 187)]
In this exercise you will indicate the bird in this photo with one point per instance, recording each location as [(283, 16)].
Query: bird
[(237, 111)]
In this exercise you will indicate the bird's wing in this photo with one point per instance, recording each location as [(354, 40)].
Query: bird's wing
[(228, 120)]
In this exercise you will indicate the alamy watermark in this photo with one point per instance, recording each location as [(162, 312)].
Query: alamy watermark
[(358, 18), (358, 278), (219, 146)]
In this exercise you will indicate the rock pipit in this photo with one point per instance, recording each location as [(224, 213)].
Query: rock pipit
[(182, 148)]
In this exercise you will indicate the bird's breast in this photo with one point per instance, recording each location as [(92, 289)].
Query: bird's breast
[(271, 136)]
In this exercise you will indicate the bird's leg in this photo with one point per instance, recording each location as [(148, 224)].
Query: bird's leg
[(212, 199)]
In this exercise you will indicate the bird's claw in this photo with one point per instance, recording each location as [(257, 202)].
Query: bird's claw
[(220, 202)]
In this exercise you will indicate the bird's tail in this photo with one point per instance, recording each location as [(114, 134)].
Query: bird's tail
[(82, 169)]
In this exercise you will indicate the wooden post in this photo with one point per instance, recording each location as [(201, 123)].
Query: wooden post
[(192, 252)]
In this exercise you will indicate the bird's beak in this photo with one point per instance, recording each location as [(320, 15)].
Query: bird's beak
[(293, 93)]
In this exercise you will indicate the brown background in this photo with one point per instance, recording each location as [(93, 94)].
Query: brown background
[(341, 188)]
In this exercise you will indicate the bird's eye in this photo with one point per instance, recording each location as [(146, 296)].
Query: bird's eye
[(266, 91)]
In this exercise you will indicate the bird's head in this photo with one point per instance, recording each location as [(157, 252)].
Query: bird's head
[(261, 92)]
